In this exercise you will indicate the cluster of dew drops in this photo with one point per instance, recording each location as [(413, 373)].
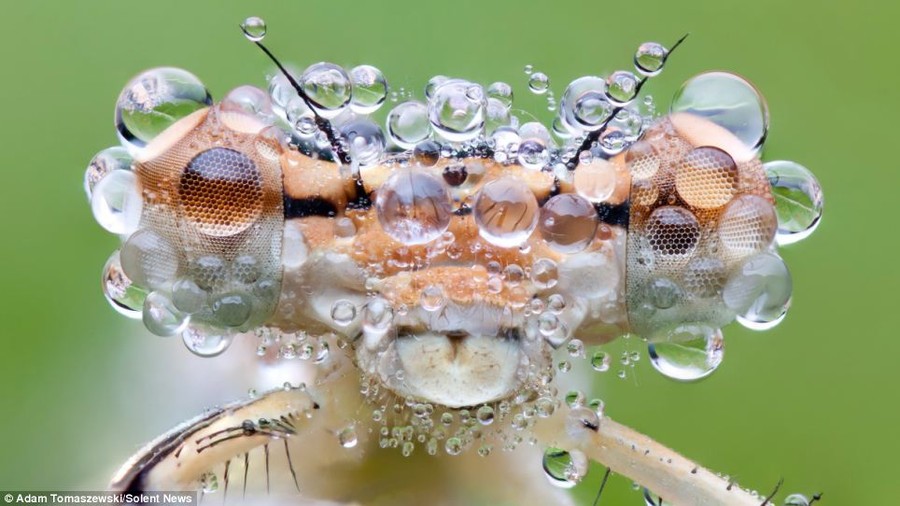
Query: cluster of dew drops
[(455, 118)]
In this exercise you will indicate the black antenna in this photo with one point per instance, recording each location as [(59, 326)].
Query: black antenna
[(592, 137), (323, 124), (361, 200)]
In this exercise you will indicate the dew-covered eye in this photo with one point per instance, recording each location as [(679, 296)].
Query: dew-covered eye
[(221, 192)]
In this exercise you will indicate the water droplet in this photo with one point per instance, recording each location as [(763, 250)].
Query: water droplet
[(453, 446), (188, 297), (347, 437), (149, 259), (672, 231), (366, 141), (595, 179), (370, 89), (343, 312), (117, 203), (796, 500), (250, 101), (432, 298), (485, 415), (209, 482), (254, 29), (502, 92), (153, 101), (121, 293), (650, 58), (103, 163), (544, 274), (687, 352), (457, 110), (328, 87), (575, 348), (378, 316), (206, 342), (575, 399), (663, 293), (584, 105), (600, 361), (232, 309), (759, 291), (727, 100), (621, 87), (568, 222), (408, 124), (564, 469), (161, 317), (798, 200), (538, 83), (413, 207), (506, 212), (433, 84)]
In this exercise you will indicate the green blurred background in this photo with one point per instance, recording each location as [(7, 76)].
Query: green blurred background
[(812, 401)]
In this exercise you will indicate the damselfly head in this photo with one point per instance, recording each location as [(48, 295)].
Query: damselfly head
[(456, 247)]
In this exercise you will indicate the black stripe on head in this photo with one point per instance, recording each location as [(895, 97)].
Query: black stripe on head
[(312, 206), (614, 214)]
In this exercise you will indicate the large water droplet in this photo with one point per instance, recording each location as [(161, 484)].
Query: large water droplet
[(506, 212), (153, 101), (161, 317), (457, 110), (348, 437), (121, 293), (727, 100), (798, 200), (584, 105), (759, 291), (254, 29), (650, 58), (206, 342), (568, 223), (250, 101), (534, 152), (564, 469), (413, 207), (116, 202), (600, 361), (103, 163), (370, 89), (796, 500), (687, 352), (408, 124), (328, 87), (595, 179)]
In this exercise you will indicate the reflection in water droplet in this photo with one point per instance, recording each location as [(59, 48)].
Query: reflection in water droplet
[(595, 180), (650, 58), (161, 317), (568, 223), (413, 207), (564, 469), (232, 309), (366, 141), (254, 29), (621, 87), (796, 500), (727, 100), (502, 92), (538, 83), (600, 361), (506, 212), (347, 437), (798, 200), (759, 291), (370, 89), (343, 312), (104, 162), (328, 87), (687, 352), (206, 342), (153, 101), (457, 110), (123, 295), (408, 124), (117, 203)]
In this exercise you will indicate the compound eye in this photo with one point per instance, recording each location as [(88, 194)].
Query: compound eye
[(221, 192)]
